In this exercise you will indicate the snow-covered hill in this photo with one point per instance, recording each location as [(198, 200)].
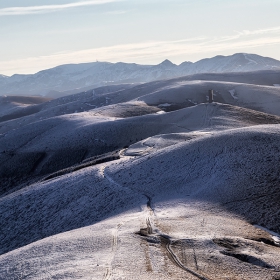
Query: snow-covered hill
[(144, 181), (186, 206), (254, 90), (73, 78)]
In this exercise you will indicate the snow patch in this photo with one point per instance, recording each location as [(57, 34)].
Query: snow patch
[(165, 105), (192, 101), (275, 236), (90, 105), (249, 59), (233, 93)]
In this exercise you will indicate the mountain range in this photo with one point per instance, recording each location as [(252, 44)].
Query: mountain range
[(73, 78)]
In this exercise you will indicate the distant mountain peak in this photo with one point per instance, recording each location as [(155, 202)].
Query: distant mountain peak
[(167, 63), (186, 63)]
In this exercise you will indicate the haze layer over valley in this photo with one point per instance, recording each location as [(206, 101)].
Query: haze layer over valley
[(144, 180)]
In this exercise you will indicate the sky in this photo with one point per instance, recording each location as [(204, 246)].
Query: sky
[(40, 34)]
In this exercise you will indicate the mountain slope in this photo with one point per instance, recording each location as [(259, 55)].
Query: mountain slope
[(252, 90), (182, 210), (47, 146)]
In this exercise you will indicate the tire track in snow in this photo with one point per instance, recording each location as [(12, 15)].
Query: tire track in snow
[(150, 230), (166, 242), (109, 270), (148, 212)]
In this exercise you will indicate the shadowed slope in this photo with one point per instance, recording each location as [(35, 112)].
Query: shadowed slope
[(14, 105), (237, 168), (253, 90), (79, 102), (47, 146), (228, 168)]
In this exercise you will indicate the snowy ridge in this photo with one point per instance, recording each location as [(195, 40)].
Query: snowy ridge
[(80, 76)]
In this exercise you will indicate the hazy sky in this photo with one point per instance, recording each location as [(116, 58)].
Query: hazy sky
[(39, 34)]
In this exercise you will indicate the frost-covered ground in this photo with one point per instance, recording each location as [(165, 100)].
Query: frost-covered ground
[(132, 190)]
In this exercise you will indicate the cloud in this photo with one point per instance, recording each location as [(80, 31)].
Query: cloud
[(259, 31), (13, 11), (248, 33)]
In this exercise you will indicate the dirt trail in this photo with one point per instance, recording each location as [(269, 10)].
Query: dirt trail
[(166, 242), (150, 231)]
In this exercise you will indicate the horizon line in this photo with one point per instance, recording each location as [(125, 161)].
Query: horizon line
[(109, 62)]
